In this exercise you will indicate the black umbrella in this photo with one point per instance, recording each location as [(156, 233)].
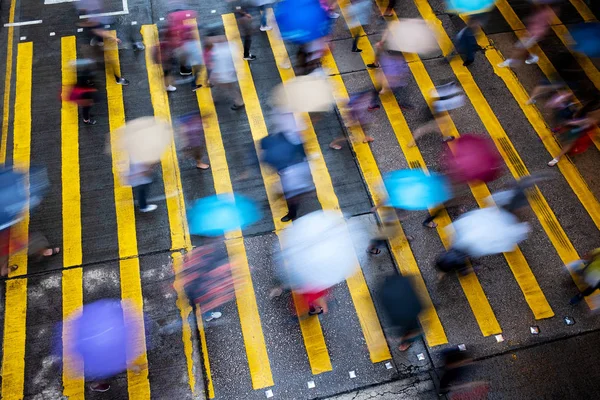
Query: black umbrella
[(400, 301)]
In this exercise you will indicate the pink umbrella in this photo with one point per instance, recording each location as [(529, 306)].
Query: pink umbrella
[(473, 158)]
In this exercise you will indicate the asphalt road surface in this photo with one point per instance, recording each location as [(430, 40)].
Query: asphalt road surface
[(259, 348)]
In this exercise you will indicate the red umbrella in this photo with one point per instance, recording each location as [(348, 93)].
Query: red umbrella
[(473, 158)]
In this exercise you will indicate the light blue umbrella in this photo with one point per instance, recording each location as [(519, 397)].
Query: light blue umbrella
[(301, 21), (470, 6), (219, 214), (413, 189)]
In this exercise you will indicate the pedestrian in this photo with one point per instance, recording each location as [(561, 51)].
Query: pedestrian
[(309, 56), (191, 58), (246, 31), (466, 42), (456, 365), (389, 10), (538, 26), (329, 6), (223, 74), (452, 260), (297, 184), (164, 55), (38, 249), (139, 177), (190, 127), (391, 75), (359, 14), (588, 268), (389, 228), (359, 106), (263, 6), (443, 99), (83, 93)]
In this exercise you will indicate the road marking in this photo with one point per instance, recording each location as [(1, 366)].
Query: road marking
[(583, 10), (518, 264), (13, 354), (72, 278), (7, 82), (58, 1), (359, 291), (11, 24), (180, 238), (538, 203), (129, 265), (544, 63), (108, 14)]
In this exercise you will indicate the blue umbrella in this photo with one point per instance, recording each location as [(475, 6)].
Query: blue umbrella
[(470, 6), (102, 339), (17, 193), (219, 214), (587, 39), (301, 21), (413, 189)]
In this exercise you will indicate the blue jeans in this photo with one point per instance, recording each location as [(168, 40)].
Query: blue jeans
[(263, 14)]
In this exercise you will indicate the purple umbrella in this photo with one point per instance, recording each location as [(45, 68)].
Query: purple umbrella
[(104, 336)]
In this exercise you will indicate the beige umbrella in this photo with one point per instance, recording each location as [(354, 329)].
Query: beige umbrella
[(411, 36), (303, 94), (145, 139)]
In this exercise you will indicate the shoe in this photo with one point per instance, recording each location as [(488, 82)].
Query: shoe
[(213, 315), (334, 15), (372, 65), (185, 72), (286, 218), (315, 310), (374, 107), (448, 139), (532, 59), (138, 46), (196, 88), (235, 107), (266, 28), (467, 63), (170, 88), (90, 122), (251, 57), (99, 387), (576, 299), (96, 42), (122, 81), (356, 50), (149, 208), (506, 63), (553, 162)]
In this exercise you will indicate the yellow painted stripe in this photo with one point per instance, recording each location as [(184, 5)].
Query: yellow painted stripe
[(363, 303), (72, 279), (583, 10), (520, 268), (13, 355), (180, 238), (538, 203), (544, 63), (129, 266), (7, 81)]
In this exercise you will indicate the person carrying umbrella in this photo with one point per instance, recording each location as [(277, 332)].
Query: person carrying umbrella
[(83, 93)]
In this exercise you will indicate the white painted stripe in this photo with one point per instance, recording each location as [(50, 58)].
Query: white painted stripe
[(37, 21), (58, 1), (109, 14)]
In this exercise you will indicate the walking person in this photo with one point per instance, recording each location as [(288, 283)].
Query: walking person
[(164, 55), (223, 74), (191, 59), (263, 6), (466, 42), (139, 177), (246, 31), (393, 70), (83, 93), (588, 268), (389, 11), (190, 127), (359, 14), (297, 184)]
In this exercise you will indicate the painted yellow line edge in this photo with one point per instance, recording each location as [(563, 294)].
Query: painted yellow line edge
[(15, 328), (367, 314), (179, 237), (7, 83), (583, 10)]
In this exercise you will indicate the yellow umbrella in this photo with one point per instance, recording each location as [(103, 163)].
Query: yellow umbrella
[(303, 94), (411, 36), (145, 139)]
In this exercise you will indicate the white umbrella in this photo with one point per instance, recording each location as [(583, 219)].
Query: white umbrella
[(145, 139), (308, 93), (411, 36), (488, 231), (318, 252)]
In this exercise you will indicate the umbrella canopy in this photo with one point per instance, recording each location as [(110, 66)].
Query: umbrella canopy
[(17, 192), (400, 301), (303, 94), (104, 337), (411, 36), (413, 189), (318, 252), (470, 6), (145, 139), (219, 214), (488, 231), (587, 38), (473, 158), (279, 152), (302, 21)]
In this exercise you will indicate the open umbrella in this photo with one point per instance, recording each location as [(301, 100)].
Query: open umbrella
[(219, 214), (303, 94), (587, 38), (302, 21), (145, 139), (400, 301), (411, 36), (318, 252), (488, 231), (470, 6), (473, 158), (413, 189), (104, 335), (18, 192), (279, 152)]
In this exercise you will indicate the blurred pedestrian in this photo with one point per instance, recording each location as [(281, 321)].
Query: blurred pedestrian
[(452, 260), (83, 92), (139, 177), (263, 6), (359, 13), (309, 56), (538, 25), (359, 106), (164, 55), (588, 268), (392, 75), (297, 184), (465, 40), (246, 31), (454, 381), (389, 10), (330, 6), (223, 74), (191, 58), (191, 129), (38, 249)]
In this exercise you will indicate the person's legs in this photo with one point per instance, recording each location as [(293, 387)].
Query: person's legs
[(234, 94), (356, 35), (390, 8), (141, 193), (247, 44), (293, 205)]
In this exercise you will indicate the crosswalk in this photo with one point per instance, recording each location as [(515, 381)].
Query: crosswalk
[(249, 359)]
